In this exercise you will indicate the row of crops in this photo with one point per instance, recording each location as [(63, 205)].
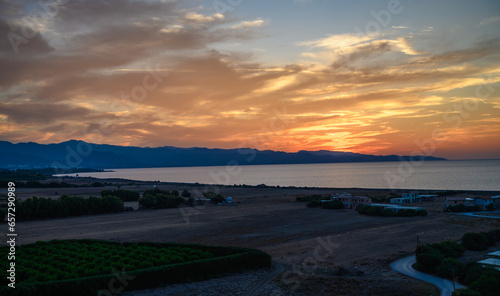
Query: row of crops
[(83, 267)]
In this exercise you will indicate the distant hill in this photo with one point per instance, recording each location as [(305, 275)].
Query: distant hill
[(78, 154)]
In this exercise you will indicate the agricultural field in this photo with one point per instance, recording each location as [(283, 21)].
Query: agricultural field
[(90, 264)]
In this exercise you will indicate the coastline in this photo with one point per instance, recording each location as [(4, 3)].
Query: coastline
[(360, 248)]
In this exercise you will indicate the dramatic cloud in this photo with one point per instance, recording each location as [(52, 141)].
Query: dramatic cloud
[(154, 73)]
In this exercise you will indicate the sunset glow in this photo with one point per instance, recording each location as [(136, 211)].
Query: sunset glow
[(376, 77)]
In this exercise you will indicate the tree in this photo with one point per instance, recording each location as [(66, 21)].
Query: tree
[(490, 207), (449, 268), (148, 201), (214, 197), (186, 193), (429, 258), (488, 283), (475, 241)]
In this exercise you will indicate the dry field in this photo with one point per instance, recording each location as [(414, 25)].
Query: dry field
[(338, 252)]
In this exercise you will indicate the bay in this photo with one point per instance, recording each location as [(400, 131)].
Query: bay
[(438, 175)]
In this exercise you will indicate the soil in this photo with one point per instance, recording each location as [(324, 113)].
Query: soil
[(331, 249)]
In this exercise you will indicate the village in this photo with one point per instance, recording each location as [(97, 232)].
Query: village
[(477, 203)]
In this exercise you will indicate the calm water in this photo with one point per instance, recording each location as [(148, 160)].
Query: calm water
[(445, 175)]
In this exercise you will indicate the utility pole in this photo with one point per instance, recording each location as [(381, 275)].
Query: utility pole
[(453, 277)]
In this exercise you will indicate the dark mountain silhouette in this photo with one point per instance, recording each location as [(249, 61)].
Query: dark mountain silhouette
[(79, 154)]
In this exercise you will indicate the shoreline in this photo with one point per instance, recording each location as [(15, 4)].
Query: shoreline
[(197, 184)]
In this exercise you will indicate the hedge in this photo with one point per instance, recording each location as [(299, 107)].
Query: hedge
[(45, 208), (160, 201)]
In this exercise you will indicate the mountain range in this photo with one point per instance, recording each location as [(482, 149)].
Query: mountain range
[(80, 154)]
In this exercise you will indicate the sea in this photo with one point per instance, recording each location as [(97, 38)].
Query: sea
[(480, 175)]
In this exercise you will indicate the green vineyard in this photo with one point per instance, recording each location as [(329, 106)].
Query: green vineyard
[(84, 267)]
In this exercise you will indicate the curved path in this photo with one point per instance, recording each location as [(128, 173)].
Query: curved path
[(404, 266)]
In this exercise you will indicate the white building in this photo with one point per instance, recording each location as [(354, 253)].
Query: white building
[(406, 198)]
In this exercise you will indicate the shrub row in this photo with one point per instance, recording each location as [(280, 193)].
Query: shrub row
[(42, 208), (379, 211), (160, 201), (123, 194), (230, 259), (155, 191)]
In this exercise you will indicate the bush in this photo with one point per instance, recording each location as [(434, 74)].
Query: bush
[(168, 201), (490, 207), (471, 272), (186, 193), (334, 205), (148, 201), (429, 259), (155, 191), (488, 283), (362, 209), (407, 213), (314, 204), (449, 249), (422, 213), (214, 197), (449, 267), (475, 241), (388, 213)]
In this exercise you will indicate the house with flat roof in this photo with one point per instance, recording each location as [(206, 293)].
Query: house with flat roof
[(351, 202), (407, 198), (455, 201)]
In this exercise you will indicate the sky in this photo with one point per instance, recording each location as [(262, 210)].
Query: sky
[(376, 77)]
